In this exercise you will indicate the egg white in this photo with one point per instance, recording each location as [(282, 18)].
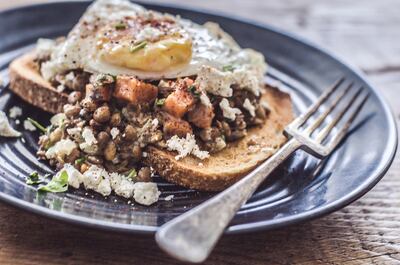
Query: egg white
[(210, 46)]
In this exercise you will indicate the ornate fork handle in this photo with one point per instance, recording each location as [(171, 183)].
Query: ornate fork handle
[(191, 236)]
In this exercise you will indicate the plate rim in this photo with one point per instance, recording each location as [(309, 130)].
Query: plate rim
[(356, 193)]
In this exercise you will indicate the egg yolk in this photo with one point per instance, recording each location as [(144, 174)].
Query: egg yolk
[(169, 52)]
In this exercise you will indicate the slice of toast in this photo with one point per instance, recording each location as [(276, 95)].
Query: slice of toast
[(224, 168), (213, 174), (26, 82)]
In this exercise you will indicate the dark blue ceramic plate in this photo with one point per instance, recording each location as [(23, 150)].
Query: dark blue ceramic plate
[(302, 189)]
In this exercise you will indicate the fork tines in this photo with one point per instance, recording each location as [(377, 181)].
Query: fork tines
[(336, 109)]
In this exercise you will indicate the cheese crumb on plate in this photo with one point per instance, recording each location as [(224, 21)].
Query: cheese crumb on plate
[(29, 126), (103, 182), (5, 128), (15, 112)]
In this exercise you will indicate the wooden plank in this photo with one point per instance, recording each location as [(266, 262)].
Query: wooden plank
[(366, 232)]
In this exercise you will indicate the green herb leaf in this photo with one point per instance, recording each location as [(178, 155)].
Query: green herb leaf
[(132, 174), (33, 178), (193, 91), (228, 68), (160, 101), (120, 26), (38, 125), (80, 161), (59, 183), (137, 47)]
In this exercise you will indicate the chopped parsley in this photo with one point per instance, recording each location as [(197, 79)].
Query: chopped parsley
[(38, 125), (228, 68), (80, 161), (59, 183), (193, 91), (132, 174), (33, 179), (138, 47), (160, 101), (120, 26)]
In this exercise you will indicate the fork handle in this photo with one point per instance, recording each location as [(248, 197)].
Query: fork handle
[(191, 236)]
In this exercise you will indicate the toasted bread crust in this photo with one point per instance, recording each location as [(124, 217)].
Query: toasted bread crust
[(27, 83), (213, 174), (229, 165)]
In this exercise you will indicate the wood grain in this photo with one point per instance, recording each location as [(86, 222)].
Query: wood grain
[(365, 33)]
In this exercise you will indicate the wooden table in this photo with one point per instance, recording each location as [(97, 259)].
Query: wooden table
[(365, 33)]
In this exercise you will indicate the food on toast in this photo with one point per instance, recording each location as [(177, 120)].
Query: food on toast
[(136, 92)]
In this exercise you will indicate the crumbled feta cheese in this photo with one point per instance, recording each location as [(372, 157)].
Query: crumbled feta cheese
[(5, 128), (220, 83), (99, 180), (214, 81), (169, 197), (61, 148), (75, 178), (144, 154), (70, 76), (219, 143), (146, 193), (58, 119), (247, 80), (104, 187), (93, 176), (60, 88), (125, 188), (114, 132), (249, 107), (89, 144), (204, 99), (29, 126), (15, 112), (17, 121), (227, 111), (75, 133), (115, 180), (185, 147), (89, 149)]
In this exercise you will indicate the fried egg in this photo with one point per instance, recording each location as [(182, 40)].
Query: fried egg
[(118, 37)]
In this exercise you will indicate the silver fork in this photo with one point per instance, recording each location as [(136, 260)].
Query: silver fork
[(191, 236)]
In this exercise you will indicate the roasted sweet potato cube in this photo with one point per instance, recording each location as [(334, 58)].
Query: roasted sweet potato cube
[(134, 91), (179, 102), (98, 93)]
